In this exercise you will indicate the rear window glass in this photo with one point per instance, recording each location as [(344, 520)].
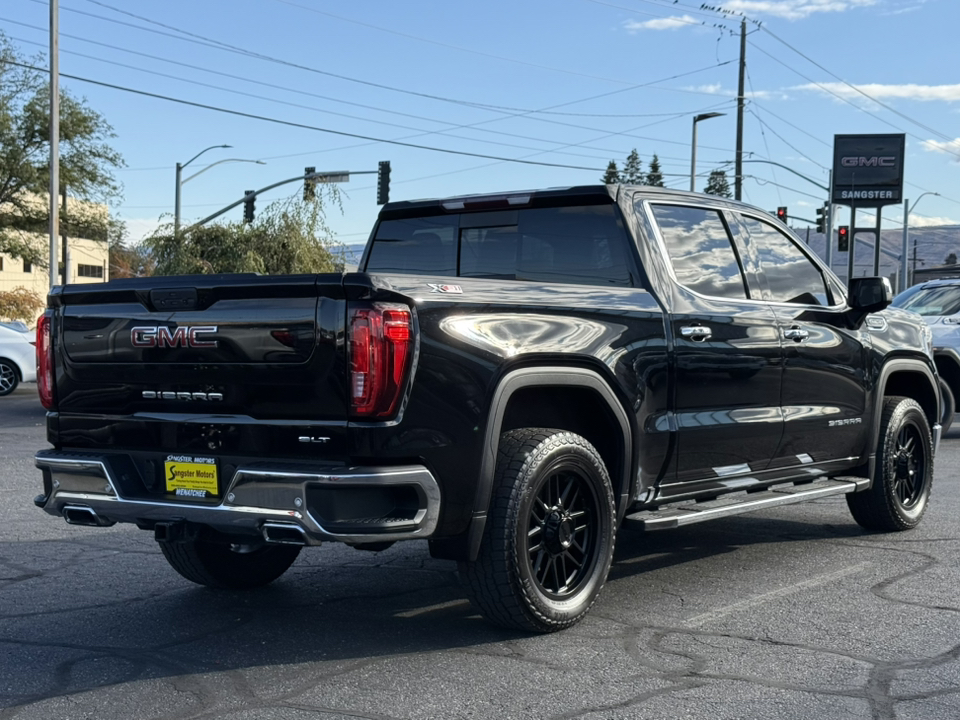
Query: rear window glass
[(416, 246), (579, 245)]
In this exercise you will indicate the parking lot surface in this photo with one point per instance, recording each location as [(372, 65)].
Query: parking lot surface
[(787, 613)]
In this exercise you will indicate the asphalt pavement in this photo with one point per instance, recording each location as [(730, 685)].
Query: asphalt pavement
[(791, 613)]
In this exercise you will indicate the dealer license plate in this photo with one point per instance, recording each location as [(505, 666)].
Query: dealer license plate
[(191, 478)]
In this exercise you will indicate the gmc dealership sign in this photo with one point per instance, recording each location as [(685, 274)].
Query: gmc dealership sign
[(868, 169)]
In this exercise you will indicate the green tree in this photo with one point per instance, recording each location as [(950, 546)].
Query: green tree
[(951, 259), (21, 304), (288, 236), (612, 175), (87, 161), (655, 175), (717, 184), (632, 169), (127, 259)]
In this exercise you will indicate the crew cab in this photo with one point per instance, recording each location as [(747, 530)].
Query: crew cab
[(510, 377)]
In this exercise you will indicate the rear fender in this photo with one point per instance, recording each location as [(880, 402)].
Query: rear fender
[(543, 377)]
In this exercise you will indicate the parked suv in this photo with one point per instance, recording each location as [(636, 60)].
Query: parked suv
[(938, 301)]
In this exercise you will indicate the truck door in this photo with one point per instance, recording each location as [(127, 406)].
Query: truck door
[(727, 355), (824, 396)]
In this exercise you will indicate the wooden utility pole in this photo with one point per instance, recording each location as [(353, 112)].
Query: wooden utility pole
[(738, 180)]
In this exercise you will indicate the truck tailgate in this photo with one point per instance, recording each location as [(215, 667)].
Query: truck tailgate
[(267, 347)]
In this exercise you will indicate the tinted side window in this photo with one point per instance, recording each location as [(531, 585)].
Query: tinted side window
[(581, 245), (418, 246), (700, 250), (790, 275), (585, 245)]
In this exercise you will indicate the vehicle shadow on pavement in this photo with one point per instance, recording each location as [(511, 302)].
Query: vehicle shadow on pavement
[(80, 614), (639, 552)]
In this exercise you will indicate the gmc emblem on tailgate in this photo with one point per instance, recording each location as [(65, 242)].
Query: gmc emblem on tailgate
[(162, 336)]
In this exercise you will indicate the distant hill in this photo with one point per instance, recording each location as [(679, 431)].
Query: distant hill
[(933, 245)]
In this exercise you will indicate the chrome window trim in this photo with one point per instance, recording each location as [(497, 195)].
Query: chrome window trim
[(662, 247)]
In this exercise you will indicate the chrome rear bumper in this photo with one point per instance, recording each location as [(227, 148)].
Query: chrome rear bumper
[(279, 502)]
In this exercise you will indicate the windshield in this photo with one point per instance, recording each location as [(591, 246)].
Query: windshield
[(938, 300)]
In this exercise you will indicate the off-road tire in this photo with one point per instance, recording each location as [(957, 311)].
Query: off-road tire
[(897, 498), (9, 377), (949, 406), (548, 541), (233, 567)]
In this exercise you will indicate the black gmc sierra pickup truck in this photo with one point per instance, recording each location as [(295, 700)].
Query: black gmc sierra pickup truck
[(510, 377)]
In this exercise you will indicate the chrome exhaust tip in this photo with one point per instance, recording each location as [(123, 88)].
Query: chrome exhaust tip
[(82, 515), (283, 534)]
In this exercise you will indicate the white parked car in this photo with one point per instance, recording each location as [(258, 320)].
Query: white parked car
[(18, 359)]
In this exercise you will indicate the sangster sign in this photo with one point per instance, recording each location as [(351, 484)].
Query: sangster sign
[(868, 169)]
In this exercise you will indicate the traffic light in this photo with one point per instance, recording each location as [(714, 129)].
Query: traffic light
[(309, 184), (843, 238), (823, 215), (782, 214), (383, 182), (248, 201)]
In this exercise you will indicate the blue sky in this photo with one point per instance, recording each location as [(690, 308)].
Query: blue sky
[(569, 83)]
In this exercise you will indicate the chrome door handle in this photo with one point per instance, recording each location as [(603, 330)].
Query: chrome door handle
[(696, 332), (796, 334)]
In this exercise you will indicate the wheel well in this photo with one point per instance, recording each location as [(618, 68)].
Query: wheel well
[(917, 386), (575, 409), (949, 370), (15, 366)]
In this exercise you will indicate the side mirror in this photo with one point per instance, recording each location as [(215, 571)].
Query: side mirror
[(870, 294)]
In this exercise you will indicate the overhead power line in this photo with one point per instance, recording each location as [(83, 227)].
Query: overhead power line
[(451, 126), (429, 41), (196, 38), (720, 13), (303, 126), (848, 101), (856, 89), (420, 131), (226, 47)]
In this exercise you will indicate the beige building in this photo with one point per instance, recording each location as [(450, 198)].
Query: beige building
[(87, 260)]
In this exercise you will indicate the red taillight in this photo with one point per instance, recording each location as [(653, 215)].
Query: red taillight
[(381, 350), (45, 361)]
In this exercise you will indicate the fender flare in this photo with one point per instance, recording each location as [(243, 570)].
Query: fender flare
[(953, 357), (541, 377), (890, 367)]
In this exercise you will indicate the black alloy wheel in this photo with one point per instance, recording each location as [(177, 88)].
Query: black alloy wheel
[(900, 490), (909, 467), (561, 533), (548, 540)]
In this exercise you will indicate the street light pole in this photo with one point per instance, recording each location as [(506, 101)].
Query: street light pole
[(180, 167), (218, 162), (904, 246), (54, 137), (693, 146)]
